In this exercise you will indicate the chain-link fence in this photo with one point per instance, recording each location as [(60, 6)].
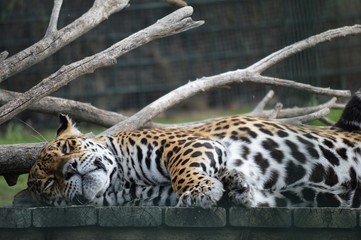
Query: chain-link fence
[(235, 35)]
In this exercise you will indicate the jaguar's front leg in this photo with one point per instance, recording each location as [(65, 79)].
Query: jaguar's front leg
[(194, 170)]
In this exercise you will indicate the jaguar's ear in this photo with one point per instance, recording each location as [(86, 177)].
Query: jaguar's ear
[(67, 127)]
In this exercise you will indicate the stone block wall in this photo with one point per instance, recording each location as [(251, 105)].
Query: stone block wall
[(88, 222)]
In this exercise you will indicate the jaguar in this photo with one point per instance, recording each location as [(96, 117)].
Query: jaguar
[(250, 161)]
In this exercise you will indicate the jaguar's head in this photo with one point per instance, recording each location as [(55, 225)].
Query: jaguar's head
[(71, 169)]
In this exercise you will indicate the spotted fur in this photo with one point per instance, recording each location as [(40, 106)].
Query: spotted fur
[(251, 161)]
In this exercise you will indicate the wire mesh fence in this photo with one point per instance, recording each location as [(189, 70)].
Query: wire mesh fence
[(235, 35)]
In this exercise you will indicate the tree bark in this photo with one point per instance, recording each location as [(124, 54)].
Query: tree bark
[(174, 23), (79, 111), (55, 40), (205, 84), (250, 74), (17, 159)]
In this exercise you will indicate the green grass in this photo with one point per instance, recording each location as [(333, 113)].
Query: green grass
[(7, 193), (20, 134), (13, 134), (334, 115)]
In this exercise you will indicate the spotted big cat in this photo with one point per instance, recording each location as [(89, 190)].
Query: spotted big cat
[(251, 161)]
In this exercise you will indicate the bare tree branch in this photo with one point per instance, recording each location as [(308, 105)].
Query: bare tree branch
[(87, 113), (53, 23), (311, 116), (51, 43), (306, 118), (339, 106), (174, 23), (250, 74), (327, 121), (290, 50), (78, 110), (17, 159), (3, 56), (276, 111), (296, 111), (262, 104), (205, 84), (255, 78)]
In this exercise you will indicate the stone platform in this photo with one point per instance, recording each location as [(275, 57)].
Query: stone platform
[(88, 222)]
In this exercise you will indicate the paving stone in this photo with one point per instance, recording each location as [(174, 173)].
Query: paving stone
[(195, 217), (260, 217), (325, 218), (130, 216), (15, 217), (64, 216)]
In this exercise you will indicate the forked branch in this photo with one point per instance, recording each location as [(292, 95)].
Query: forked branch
[(174, 23), (53, 23), (250, 74), (205, 84), (55, 40), (312, 41)]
